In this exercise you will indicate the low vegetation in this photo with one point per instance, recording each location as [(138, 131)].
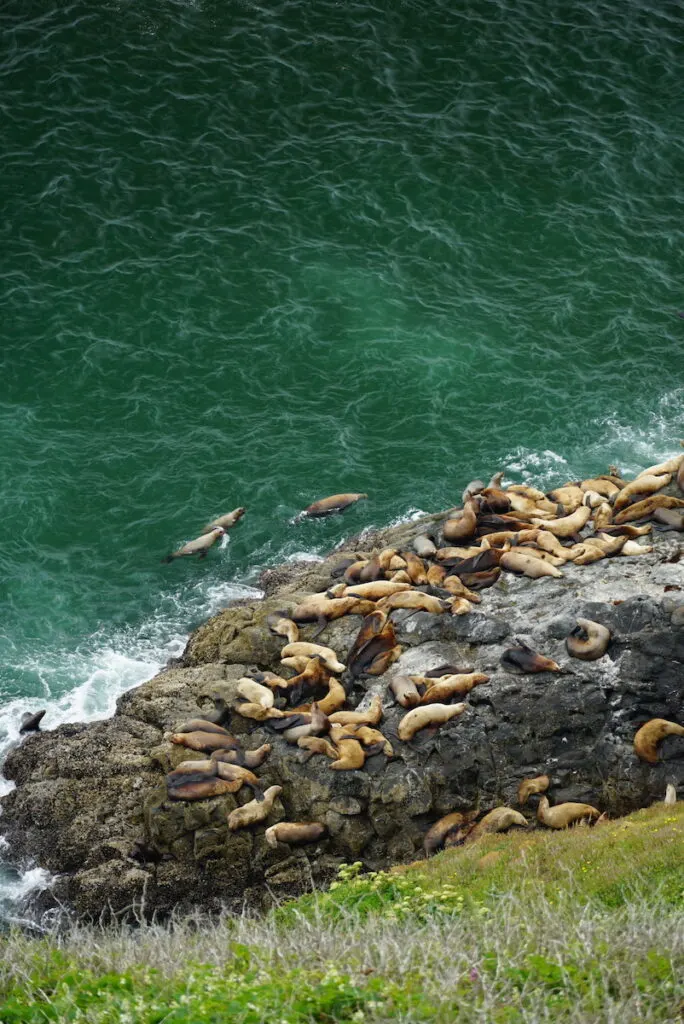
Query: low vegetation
[(582, 926)]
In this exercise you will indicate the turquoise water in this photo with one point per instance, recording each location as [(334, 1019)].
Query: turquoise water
[(256, 253)]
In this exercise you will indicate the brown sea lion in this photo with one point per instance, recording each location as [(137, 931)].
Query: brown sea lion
[(203, 740), (352, 756), (650, 734), (329, 506), (255, 811), (529, 787), (645, 508), (376, 637), (439, 691), (294, 833), (246, 758), (437, 833), (524, 659), (464, 526), (225, 521), (199, 546), (588, 640), (642, 487), (480, 580), (563, 815)]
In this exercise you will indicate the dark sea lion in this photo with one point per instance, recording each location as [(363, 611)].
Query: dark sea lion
[(437, 833), (30, 721), (489, 558), (225, 521), (524, 659), (446, 669), (200, 546), (329, 506), (480, 580), (377, 629)]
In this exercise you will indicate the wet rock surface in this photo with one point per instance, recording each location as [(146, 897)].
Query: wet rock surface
[(91, 805)]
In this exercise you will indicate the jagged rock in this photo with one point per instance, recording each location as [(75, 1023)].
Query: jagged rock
[(91, 804)]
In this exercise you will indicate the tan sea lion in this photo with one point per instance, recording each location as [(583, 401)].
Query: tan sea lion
[(437, 833), (529, 787), (588, 640), (352, 756), (498, 820), (370, 737), (570, 497), (317, 745), (642, 487), (414, 599), (603, 516), (294, 833), (647, 738), (333, 701), (519, 562), (376, 590), (199, 546), (464, 526), (225, 521), (404, 691), (585, 554), (255, 692), (645, 508), (563, 815), (631, 547), (455, 586), (325, 654), (369, 717), (566, 526), (670, 518), (441, 690), (415, 567), (330, 505), (400, 577), (600, 485), (203, 740), (424, 546), (246, 758), (318, 724), (427, 715), (672, 465), (255, 811), (281, 625)]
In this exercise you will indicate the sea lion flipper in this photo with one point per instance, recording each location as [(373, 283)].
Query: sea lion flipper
[(257, 790), (321, 623)]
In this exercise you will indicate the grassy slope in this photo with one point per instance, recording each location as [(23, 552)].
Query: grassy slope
[(585, 925)]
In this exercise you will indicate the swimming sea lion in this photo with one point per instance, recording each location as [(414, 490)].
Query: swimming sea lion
[(498, 820), (330, 505), (437, 833), (563, 815), (529, 787), (255, 811), (588, 640), (225, 521), (650, 734), (427, 715), (524, 659), (30, 721), (199, 546), (294, 833)]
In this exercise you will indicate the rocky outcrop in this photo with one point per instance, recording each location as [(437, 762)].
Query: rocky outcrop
[(91, 805)]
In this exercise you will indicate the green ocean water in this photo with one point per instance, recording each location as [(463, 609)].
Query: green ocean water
[(257, 253)]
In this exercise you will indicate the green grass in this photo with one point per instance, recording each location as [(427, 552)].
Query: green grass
[(581, 926)]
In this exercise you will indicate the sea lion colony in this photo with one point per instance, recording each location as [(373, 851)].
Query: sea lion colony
[(517, 529)]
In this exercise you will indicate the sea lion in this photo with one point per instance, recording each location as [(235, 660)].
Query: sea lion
[(645, 508), (318, 724), (427, 715), (485, 558), (352, 574), (493, 499), (592, 499), (371, 571), (544, 540), (199, 546), (585, 554), (534, 568), (294, 833), (457, 554), (369, 717), (352, 756), (498, 820), (600, 485), (603, 516), (424, 546), (255, 692), (370, 737), (329, 506), (400, 577), (376, 590), (455, 586), (631, 547), (30, 721), (566, 526), (404, 691), (382, 661), (672, 465), (298, 664), (225, 521), (436, 575), (202, 740), (464, 526), (607, 543), (281, 625), (529, 787), (321, 609), (415, 568), (524, 659), (325, 654), (437, 833), (459, 606), (317, 745), (543, 556), (473, 488), (625, 530), (563, 815), (199, 780), (569, 496), (257, 712), (480, 580), (439, 691), (670, 519), (255, 811), (246, 758), (643, 486), (414, 599), (375, 638), (333, 701), (650, 734), (588, 640)]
